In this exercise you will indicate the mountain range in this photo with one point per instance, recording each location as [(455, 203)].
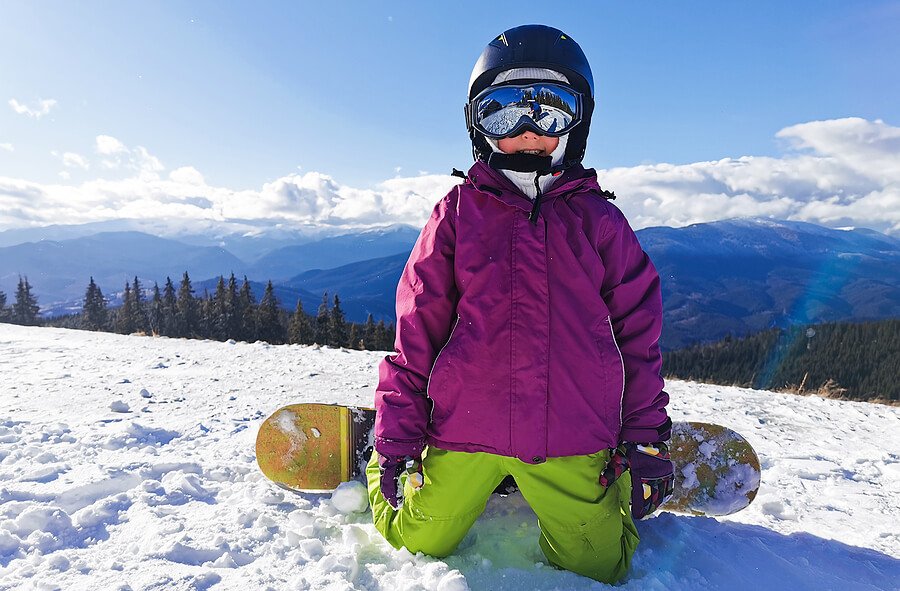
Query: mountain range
[(728, 277)]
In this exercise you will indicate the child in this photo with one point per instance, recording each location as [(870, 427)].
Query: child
[(527, 325)]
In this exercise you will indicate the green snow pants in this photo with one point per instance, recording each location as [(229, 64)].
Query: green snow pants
[(585, 528)]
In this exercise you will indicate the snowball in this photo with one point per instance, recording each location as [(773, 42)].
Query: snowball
[(350, 497), (119, 406), (145, 393)]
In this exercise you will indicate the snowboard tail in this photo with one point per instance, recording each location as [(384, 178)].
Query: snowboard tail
[(316, 447)]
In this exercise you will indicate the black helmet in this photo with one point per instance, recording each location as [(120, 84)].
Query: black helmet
[(536, 46)]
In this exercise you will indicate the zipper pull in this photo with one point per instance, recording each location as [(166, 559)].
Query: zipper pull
[(536, 207)]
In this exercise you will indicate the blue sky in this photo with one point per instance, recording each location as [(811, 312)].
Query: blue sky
[(365, 92)]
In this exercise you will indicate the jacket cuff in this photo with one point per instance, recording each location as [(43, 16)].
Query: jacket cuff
[(400, 447), (647, 434)]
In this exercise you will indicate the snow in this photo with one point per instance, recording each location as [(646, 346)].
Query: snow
[(350, 497), (509, 117), (166, 495)]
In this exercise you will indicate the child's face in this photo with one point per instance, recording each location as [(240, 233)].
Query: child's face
[(528, 142)]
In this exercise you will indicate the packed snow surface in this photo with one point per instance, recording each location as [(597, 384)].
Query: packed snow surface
[(127, 463)]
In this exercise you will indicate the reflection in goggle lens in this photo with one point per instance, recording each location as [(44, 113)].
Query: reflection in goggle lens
[(549, 109)]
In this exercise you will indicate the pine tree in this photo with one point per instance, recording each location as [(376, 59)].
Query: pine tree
[(25, 309), (186, 309), (125, 314), (354, 341), (246, 312), (93, 312), (4, 313), (300, 331), (219, 313), (389, 332), (368, 336), (380, 339), (139, 308), (268, 318), (204, 316), (337, 325), (168, 322), (233, 326), (155, 311), (322, 321)]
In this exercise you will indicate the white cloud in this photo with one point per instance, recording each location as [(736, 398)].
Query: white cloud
[(187, 175), (116, 155), (838, 173), (41, 108), (73, 160), (834, 173), (107, 145), (7, 147)]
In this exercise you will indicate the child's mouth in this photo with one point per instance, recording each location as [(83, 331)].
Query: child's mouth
[(532, 152)]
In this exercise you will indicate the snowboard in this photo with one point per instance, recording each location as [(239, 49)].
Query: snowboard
[(316, 447)]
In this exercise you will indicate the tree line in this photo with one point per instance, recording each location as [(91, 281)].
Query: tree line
[(230, 313), (857, 361)]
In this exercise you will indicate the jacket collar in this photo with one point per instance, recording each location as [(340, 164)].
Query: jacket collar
[(493, 182)]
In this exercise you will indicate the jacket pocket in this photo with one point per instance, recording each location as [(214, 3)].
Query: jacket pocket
[(612, 370), (440, 379)]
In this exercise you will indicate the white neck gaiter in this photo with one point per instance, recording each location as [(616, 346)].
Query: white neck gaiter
[(525, 180)]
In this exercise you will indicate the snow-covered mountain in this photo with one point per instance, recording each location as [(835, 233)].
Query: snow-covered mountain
[(246, 241), (59, 271), (127, 463)]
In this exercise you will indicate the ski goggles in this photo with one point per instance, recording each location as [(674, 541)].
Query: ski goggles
[(508, 110)]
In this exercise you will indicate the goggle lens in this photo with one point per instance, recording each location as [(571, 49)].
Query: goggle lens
[(504, 111)]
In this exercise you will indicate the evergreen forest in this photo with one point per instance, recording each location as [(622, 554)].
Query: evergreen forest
[(230, 313), (855, 361)]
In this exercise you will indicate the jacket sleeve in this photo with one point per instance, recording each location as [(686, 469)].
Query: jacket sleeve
[(426, 305), (631, 290)]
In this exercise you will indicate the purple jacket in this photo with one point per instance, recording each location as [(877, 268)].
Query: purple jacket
[(521, 339)]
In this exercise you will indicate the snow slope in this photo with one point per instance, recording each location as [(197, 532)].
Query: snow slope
[(127, 463)]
